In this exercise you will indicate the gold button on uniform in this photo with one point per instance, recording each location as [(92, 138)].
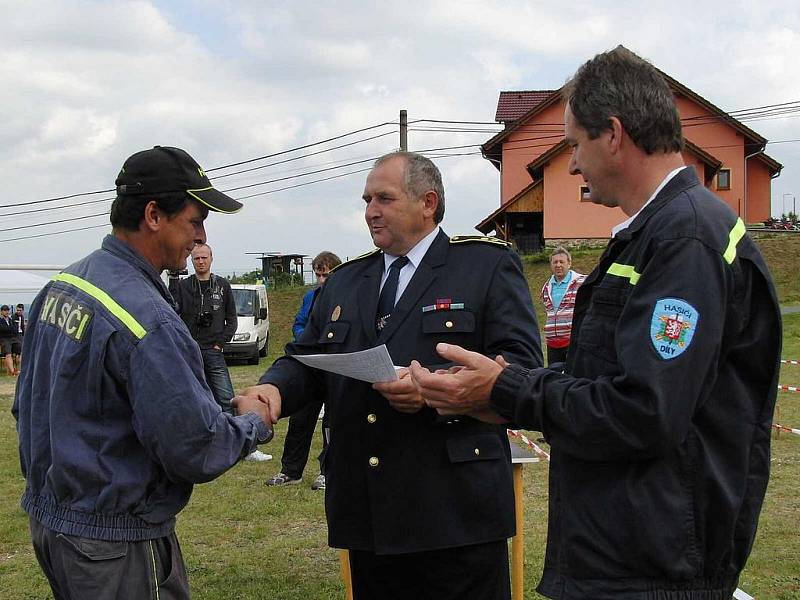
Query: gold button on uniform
[(330, 334), (373, 461), (448, 324), (371, 418), (477, 452)]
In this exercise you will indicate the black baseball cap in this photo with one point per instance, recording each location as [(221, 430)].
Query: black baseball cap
[(165, 169)]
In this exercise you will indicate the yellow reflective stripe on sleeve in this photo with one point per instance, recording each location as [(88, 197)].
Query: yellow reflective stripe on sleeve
[(626, 271), (735, 236), (155, 572), (95, 292)]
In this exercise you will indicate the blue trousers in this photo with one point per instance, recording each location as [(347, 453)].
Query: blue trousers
[(217, 377)]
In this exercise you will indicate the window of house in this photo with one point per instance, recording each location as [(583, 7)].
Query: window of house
[(586, 195), (724, 179)]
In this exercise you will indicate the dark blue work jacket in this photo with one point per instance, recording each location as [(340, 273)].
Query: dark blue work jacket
[(115, 419)]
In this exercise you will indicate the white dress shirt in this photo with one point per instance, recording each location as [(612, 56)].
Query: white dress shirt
[(415, 256)]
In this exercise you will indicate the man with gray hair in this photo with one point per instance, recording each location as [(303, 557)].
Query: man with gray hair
[(423, 503), (558, 295), (660, 425)]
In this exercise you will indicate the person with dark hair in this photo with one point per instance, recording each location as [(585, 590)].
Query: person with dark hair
[(558, 295), (660, 425), (423, 504), (19, 328), (114, 417), (300, 432), (8, 336)]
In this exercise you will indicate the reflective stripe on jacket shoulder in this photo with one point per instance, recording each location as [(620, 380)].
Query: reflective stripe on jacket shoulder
[(103, 298), (734, 237)]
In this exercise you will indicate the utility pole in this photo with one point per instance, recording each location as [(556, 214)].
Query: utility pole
[(783, 203), (404, 130)]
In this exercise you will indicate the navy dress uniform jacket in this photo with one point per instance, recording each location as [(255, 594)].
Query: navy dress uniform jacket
[(399, 483), (660, 428)]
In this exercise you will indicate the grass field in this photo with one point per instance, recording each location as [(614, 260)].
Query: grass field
[(242, 540)]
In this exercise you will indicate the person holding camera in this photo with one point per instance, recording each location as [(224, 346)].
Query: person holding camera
[(205, 303)]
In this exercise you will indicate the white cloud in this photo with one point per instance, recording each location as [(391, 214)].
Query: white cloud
[(88, 83)]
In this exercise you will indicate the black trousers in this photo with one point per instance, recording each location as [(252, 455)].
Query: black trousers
[(81, 568), (478, 572), (556, 355), (297, 444)]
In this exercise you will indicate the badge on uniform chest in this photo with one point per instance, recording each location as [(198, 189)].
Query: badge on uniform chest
[(443, 304)]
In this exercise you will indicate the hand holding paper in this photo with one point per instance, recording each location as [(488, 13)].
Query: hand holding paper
[(402, 394), (373, 365)]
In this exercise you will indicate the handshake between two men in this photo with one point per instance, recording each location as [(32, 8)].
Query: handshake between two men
[(463, 389)]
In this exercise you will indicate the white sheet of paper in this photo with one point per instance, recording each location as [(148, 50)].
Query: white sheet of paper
[(373, 365)]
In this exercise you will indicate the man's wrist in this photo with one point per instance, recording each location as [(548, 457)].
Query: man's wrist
[(502, 398), (264, 431)]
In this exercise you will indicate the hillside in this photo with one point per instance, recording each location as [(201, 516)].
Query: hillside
[(782, 253)]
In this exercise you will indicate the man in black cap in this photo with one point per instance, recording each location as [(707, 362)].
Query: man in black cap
[(115, 420)]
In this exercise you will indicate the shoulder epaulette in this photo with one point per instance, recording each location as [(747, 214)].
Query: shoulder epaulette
[(486, 239), (352, 260)]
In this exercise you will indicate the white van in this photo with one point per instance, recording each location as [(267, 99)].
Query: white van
[(252, 332)]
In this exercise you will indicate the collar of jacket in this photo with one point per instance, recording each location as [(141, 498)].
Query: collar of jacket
[(436, 255), (678, 184), (117, 247)]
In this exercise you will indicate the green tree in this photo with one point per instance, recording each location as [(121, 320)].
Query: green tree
[(251, 277)]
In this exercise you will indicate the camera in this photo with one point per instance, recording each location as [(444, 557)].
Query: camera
[(204, 319)]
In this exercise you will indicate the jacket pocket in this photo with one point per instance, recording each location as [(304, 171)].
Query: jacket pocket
[(598, 328), (334, 332), (470, 448), (448, 321)]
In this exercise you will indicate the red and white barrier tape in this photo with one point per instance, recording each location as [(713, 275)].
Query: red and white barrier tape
[(790, 362), (788, 388), (527, 442), (784, 428)]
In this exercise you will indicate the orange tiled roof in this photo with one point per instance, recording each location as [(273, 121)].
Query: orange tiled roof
[(513, 104)]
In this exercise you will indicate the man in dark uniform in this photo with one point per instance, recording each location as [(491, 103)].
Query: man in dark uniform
[(660, 425), (424, 504)]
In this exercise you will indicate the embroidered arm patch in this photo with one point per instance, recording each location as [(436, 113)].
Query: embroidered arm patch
[(672, 326)]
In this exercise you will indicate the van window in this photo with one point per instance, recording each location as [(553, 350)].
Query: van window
[(246, 302)]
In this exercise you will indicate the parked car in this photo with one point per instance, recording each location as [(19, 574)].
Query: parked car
[(252, 332)]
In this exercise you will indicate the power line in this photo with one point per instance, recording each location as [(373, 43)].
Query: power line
[(290, 187), (38, 235), (56, 198), (280, 162), (37, 210), (55, 222), (236, 164), (282, 152), (251, 185), (781, 110)]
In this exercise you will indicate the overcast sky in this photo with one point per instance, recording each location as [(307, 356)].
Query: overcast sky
[(86, 84)]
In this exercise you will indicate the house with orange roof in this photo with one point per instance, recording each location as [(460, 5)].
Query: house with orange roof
[(540, 201)]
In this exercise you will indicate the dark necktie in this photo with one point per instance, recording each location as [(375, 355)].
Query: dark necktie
[(389, 291)]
